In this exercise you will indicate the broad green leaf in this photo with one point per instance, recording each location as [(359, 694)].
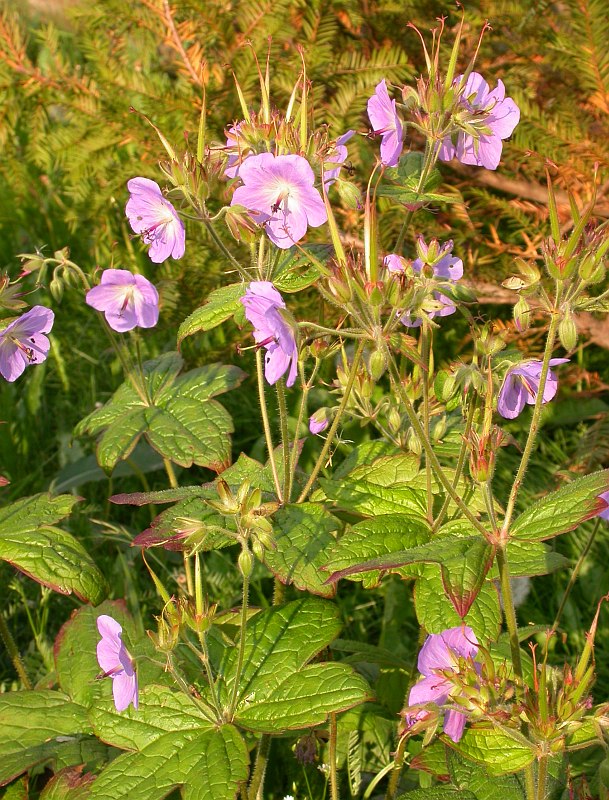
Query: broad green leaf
[(33, 727), (369, 653), (375, 730), (383, 535), (18, 790), (464, 576), (303, 536), (300, 267), (432, 759), (304, 699), (209, 765), (438, 793), (368, 452), (589, 733), (86, 469), (563, 510), (68, 784), (76, 660), (161, 710), (381, 487), (435, 611), (30, 542), (178, 416), (220, 305), (280, 641), (159, 497), (530, 558), (475, 777), (500, 751)]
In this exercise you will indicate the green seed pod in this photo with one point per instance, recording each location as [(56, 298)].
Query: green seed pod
[(246, 562), (567, 333), (377, 365)]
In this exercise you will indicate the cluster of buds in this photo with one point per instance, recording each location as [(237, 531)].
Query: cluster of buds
[(177, 614), (254, 529)]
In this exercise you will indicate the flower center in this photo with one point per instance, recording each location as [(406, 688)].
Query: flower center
[(27, 351)]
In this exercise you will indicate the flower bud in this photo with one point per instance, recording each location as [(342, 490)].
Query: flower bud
[(439, 429), (349, 193), (377, 365), (56, 289), (448, 388), (395, 420), (522, 314), (413, 442), (246, 562), (567, 332), (339, 289)]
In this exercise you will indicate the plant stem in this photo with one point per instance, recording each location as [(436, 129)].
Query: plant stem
[(542, 777), (262, 757), (394, 780), (430, 160), (426, 359), (575, 573), (334, 794), (240, 654), (460, 462), (285, 439), (534, 429), (306, 388), (173, 482), (266, 424), (335, 423), (12, 650), (223, 248), (418, 428), (510, 613)]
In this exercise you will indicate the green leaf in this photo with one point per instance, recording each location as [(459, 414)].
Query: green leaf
[(303, 535), (279, 641), (501, 751), (381, 487), (563, 510), (382, 535), (33, 727), (304, 699), (435, 611), (30, 542), (467, 775), (187, 524), (438, 793), (300, 267), (221, 304), (368, 452), (432, 759), (530, 558), (76, 660), (207, 764), (179, 418), (68, 784), (161, 710)]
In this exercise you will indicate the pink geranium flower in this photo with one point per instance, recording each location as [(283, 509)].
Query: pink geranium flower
[(153, 216), (127, 300), (503, 116), (521, 386), (440, 655), (386, 124), (23, 342), (116, 663), (279, 193), (263, 308), (336, 158)]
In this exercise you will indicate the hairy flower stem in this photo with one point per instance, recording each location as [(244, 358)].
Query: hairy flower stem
[(266, 424), (306, 388), (575, 573), (460, 462), (223, 248), (13, 652), (396, 772), (426, 358), (334, 793), (173, 482), (542, 778), (285, 439), (534, 429), (427, 446), (262, 758), (335, 423), (241, 652)]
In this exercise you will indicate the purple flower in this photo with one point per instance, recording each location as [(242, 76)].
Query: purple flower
[(279, 193), (394, 263), (386, 123), (605, 512), (503, 116), (127, 300), (23, 342), (438, 260), (263, 308), (521, 385), (234, 148), (440, 654), (156, 219), (336, 158), (115, 661), (319, 421)]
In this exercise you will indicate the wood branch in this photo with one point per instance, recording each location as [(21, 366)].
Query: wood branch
[(522, 189), (596, 330)]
